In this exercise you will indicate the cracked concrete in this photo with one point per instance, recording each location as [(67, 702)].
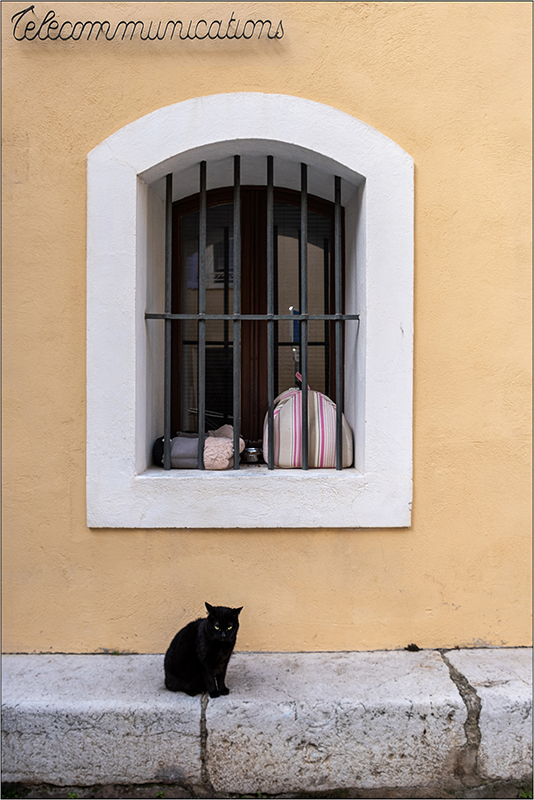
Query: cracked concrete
[(467, 767), (293, 722), (504, 686), (205, 778)]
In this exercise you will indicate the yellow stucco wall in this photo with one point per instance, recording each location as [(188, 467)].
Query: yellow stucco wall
[(450, 83)]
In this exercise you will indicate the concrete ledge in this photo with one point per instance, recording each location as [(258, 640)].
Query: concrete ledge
[(320, 721), (502, 679), (292, 722), (71, 719)]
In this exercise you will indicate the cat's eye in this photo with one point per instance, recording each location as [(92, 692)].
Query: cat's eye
[(229, 627), (216, 626)]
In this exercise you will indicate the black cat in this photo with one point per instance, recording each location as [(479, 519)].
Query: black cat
[(198, 656)]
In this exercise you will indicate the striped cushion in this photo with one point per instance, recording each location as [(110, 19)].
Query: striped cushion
[(321, 431)]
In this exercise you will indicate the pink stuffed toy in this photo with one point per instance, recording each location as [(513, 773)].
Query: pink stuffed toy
[(219, 448)]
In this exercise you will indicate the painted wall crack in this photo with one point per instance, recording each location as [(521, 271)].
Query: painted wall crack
[(468, 756)]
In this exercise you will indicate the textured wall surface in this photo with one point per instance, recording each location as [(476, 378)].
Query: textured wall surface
[(451, 84)]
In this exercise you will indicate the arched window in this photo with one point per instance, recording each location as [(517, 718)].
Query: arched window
[(126, 282)]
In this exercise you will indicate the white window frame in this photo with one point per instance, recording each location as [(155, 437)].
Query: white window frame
[(124, 373)]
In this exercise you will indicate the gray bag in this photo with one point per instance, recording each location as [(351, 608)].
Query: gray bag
[(184, 451)]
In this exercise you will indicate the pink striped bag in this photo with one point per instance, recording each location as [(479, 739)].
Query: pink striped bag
[(321, 431)]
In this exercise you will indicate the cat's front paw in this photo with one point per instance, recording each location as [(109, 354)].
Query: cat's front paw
[(215, 693), (225, 690)]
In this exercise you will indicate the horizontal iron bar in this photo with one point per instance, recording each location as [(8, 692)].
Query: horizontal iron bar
[(248, 317), (221, 343), (295, 344)]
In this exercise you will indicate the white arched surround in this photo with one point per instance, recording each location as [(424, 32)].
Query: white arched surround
[(125, 279)]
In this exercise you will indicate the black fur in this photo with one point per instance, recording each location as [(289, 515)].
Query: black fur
[(198, 656)]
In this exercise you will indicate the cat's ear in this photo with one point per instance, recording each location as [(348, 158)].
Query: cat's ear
[(237, 611), (210, 608)]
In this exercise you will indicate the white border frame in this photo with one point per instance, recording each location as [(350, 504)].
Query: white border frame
[(122, 489)]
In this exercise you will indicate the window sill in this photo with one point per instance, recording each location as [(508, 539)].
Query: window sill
[(248, 471), (251, 498)]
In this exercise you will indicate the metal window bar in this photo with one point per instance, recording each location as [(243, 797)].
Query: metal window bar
[(168, 324), (252, 317), (270, 312), (226, 306), (326, 290), (304, 310), (237, 309), (272, 317), (338, 322), (202, 238), (276, 326)]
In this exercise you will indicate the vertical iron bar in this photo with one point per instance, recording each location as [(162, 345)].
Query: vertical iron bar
[(338, 323), (276, 311), (168, 324), (202, 239), (299, 242), (270, 311), (226, 361), (326, 290), (237, 308), (304, 307)]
